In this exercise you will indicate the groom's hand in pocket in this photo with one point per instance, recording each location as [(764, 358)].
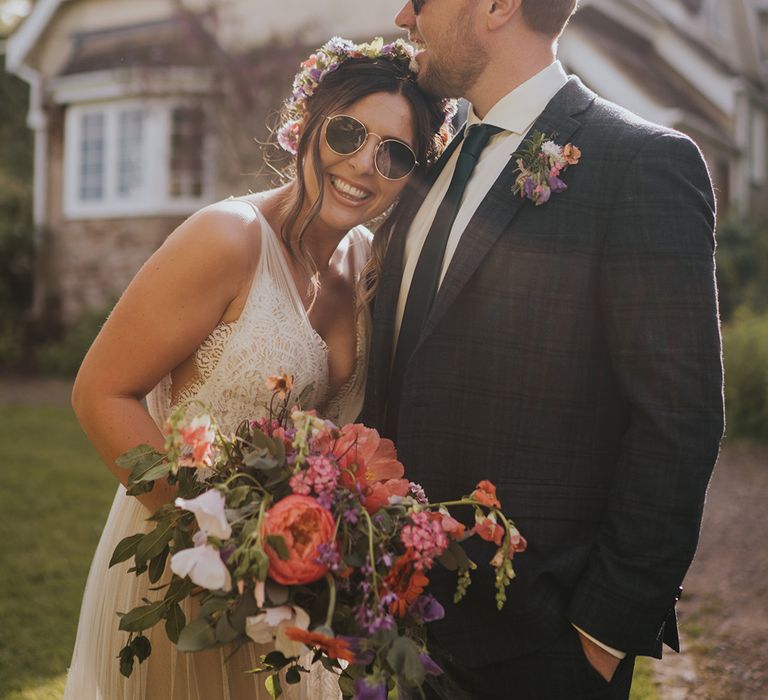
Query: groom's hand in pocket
[(601, 660)]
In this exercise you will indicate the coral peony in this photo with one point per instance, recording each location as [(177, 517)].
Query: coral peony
[(370, 462), (304, 525)]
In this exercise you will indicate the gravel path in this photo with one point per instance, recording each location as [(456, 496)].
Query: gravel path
[(724, 609)]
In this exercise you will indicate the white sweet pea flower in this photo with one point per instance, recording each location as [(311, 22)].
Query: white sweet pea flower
[(271, 625), (208, 508), (202, 563)]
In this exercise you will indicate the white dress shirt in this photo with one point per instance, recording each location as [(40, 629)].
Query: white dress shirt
[(515, 113)]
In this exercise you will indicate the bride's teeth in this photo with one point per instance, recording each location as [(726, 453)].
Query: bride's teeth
[(349, 190)]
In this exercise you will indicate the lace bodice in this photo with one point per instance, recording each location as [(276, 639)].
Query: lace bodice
[(272, 334)]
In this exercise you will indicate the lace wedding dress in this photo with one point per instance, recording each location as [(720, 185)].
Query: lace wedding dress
[(273, 333)]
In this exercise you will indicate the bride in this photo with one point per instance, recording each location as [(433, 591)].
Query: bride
[(245, 288)]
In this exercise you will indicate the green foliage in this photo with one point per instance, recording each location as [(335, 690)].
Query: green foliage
[(742, 266), (64, 357), (745, 346), (16, 228)]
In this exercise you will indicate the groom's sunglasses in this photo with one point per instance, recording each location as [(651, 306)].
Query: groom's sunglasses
[(417, 5), (345, 135)]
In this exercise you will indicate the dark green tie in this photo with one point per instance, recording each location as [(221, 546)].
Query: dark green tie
[(426, 276)]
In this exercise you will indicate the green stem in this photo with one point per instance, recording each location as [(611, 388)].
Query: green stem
[(370, 553), (331, 601)]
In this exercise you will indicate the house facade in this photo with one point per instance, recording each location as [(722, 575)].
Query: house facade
[(144, 111)]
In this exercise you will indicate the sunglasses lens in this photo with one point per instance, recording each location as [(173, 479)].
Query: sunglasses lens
[(417, 5), (394, 159), (344, 134)]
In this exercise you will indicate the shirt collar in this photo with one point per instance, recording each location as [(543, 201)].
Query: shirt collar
[(517, 110)]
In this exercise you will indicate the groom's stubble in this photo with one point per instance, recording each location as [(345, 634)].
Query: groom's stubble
[(456, 59)]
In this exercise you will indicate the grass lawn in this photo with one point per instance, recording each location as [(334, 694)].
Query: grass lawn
[(54, 501)]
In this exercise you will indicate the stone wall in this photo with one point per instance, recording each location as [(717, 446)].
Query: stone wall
[(92, 262)]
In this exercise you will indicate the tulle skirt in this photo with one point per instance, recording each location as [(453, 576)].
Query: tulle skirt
[(168, 674)]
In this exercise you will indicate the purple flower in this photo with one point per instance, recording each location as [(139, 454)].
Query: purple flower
[(429, 665), (428, 609), (368, 688), (529, 187), (363, 657), (556, 184), (418, 493)]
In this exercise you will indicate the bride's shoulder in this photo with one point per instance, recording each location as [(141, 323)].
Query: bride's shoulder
[(226, 232)]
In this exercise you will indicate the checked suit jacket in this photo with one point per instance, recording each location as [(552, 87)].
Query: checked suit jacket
[(572, 356)]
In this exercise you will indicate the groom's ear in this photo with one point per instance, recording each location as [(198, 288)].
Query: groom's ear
[(501, 12)]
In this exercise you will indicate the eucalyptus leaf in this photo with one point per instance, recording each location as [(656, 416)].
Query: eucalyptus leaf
[(260, 440), (212, 605), (139, 488), (175, 622), (225, 632), (178, 589), (126, 548), (277, 542), (154, 542), (196, 636), (139, 456), (143, 617), (126, 661), (141, 648), (158, 471), (403, 657), (157, 566)]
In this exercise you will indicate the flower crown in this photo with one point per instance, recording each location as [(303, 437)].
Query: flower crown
[(326, 60)]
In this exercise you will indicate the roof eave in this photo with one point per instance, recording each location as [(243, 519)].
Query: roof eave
[(26, 36)]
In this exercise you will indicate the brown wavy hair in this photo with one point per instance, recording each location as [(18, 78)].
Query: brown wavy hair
[(353, 80)]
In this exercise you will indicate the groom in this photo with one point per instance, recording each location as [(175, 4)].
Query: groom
[(563, 344)]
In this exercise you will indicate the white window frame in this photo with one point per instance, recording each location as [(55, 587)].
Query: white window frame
[(152, 198)]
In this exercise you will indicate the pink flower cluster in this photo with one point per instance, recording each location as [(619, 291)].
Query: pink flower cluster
[(322, 477), (425, 537)]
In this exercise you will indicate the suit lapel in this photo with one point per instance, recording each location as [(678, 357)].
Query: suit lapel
[(500, 206)]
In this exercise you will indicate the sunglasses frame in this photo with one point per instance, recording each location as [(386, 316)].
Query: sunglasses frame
[(417, 5), (365, 140)]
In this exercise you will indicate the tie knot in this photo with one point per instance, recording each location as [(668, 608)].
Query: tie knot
[(477, 138)]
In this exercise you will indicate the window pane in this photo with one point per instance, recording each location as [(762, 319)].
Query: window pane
[(130, 135), (186, 166), (92, 156)]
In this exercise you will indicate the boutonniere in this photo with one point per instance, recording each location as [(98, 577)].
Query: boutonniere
[(541, 166)]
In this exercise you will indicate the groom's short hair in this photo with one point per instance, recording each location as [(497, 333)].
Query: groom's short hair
[(548, 16)]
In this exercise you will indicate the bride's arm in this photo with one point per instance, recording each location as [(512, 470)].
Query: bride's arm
[(193, 281)]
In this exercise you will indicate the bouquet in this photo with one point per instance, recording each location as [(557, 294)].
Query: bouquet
[(305, 535)]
